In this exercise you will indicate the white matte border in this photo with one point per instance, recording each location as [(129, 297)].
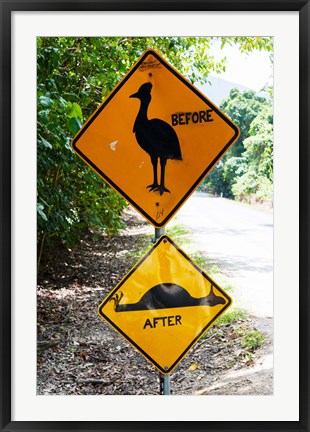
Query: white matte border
[(284, 404)]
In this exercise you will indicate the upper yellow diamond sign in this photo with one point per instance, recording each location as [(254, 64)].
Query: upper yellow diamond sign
[(155, 138), (164, 305)]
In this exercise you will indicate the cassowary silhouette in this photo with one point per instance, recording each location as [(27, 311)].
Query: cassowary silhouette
[(156, 137), (164, 296)]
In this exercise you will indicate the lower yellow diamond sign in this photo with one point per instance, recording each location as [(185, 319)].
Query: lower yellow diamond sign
[(164, 305)]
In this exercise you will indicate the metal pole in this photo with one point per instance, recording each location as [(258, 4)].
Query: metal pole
[(164, 383), (164, 379), (158, 233)]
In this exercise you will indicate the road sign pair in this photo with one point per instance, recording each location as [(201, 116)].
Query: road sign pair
[(154, 139)]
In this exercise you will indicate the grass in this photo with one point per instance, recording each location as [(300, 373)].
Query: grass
[(178, 234), (232, 315), (252, 340), (147, 240)]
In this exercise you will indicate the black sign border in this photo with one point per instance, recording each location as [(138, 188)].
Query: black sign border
[(130, 273), (109, 99)]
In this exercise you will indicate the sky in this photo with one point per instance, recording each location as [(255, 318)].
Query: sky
[(251, 70)]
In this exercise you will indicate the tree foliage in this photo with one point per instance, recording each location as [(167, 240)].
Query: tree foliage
[(74, 75), (246, 171)]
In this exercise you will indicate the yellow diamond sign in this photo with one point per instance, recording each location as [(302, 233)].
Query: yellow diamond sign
[(164, 305), (155, 138)]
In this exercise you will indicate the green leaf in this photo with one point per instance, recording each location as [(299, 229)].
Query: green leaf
[(45, 101), (74, 125), (75, 111), (45, 142), (40, 208)]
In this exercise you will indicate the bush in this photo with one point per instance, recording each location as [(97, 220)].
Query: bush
[(252, 188)]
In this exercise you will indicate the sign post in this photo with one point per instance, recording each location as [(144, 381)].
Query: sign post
[(158, 233), (164, 384), (164, 380)]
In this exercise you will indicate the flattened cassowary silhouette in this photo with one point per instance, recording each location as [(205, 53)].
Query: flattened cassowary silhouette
[(156, 137), (164, 296)]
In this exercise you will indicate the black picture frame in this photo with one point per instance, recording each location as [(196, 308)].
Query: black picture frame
[(7, 7)]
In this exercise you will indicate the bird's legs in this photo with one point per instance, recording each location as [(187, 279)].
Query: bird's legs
[(161, 188), (154, 186)]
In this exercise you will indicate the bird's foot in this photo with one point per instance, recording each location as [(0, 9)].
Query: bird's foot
[(152, 187), (117, 298), (161, 189), (157, 188)]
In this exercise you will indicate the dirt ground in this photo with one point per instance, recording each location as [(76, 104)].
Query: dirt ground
[(80, 354)]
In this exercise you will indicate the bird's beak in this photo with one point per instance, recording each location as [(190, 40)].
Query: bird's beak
[(135, 95)]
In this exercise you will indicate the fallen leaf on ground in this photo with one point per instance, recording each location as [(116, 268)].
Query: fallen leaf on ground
[(193, 367)]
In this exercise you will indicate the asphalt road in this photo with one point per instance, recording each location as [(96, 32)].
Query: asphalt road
[(239, 239)]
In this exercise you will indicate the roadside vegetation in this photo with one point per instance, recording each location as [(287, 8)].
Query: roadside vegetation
[(245, 173)]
